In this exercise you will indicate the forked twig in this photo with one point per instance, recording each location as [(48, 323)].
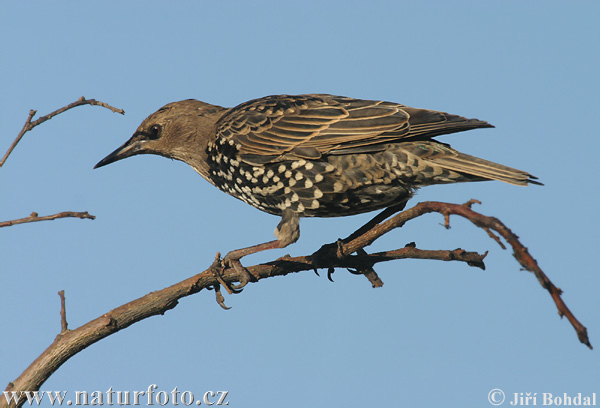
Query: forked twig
[(30, 125)]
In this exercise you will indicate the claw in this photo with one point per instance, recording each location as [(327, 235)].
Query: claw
[(330, 273), (220, 298), (244, 274), (217, 269)]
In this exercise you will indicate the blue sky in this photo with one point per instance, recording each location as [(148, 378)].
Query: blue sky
[(436, 333)]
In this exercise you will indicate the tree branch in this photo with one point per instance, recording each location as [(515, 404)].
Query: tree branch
[(70, 342), (488, 224), (30, 125), (34, 217)]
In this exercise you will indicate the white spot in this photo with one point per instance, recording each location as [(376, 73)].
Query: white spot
[(235, 163), (309, 165), (298, 163), (281, 168), (308, 183), (337, 186), (276, 179), (265, 180), (291, 182), (318, 178), (295, 197), (314, 204), (288, 174), (238, 181), (318, 193), (298, 176), (231, 142), (270, 173), (248, 176), (287, 190), (300, 207), (287, 202), (329, 168), (258, 171), (279, 185)]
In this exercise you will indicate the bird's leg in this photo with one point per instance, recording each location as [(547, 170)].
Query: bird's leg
[(385, 214), (287, 232), (321, 258)]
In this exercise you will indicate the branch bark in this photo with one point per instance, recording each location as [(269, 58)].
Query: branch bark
[(336, 255)]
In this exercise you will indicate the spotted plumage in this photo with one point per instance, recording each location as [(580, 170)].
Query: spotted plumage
[(313, 155)]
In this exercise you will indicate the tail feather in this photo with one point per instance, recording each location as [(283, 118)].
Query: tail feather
[(487, 170)]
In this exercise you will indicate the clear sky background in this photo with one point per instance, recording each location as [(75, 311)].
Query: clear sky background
[(436, 334)]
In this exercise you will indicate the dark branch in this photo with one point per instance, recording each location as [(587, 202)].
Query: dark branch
[(488, 224)]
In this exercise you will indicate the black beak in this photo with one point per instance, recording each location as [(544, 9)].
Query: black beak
[(130, 148)]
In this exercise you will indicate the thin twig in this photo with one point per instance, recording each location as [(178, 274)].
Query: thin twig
[(34, 217), (25, 128), (63, 313), (30, 125)]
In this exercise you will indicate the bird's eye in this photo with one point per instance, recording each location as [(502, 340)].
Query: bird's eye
[(155, 131)]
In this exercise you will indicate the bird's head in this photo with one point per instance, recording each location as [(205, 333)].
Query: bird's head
[(179, 130)]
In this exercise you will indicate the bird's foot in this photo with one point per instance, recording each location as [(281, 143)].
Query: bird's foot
[(217, 271), (328, 255), (231, 260)]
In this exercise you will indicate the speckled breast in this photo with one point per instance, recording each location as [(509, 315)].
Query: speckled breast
[(332, 186)]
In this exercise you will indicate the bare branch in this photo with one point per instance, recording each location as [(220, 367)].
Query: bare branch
[(34, 217), (336, 255), (520, 253), (30, 125), (70, 342)]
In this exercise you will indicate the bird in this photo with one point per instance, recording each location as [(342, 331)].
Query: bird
[(313, 155)]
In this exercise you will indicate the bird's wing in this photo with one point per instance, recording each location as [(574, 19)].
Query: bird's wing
[(276, 127)]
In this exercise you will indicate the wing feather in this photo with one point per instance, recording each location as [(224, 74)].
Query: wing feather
[(281, 126)]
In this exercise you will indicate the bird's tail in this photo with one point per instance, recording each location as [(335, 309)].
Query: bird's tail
[(473, 167), (439, 163)]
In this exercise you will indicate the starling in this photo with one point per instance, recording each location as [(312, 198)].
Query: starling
[(313, 155)]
